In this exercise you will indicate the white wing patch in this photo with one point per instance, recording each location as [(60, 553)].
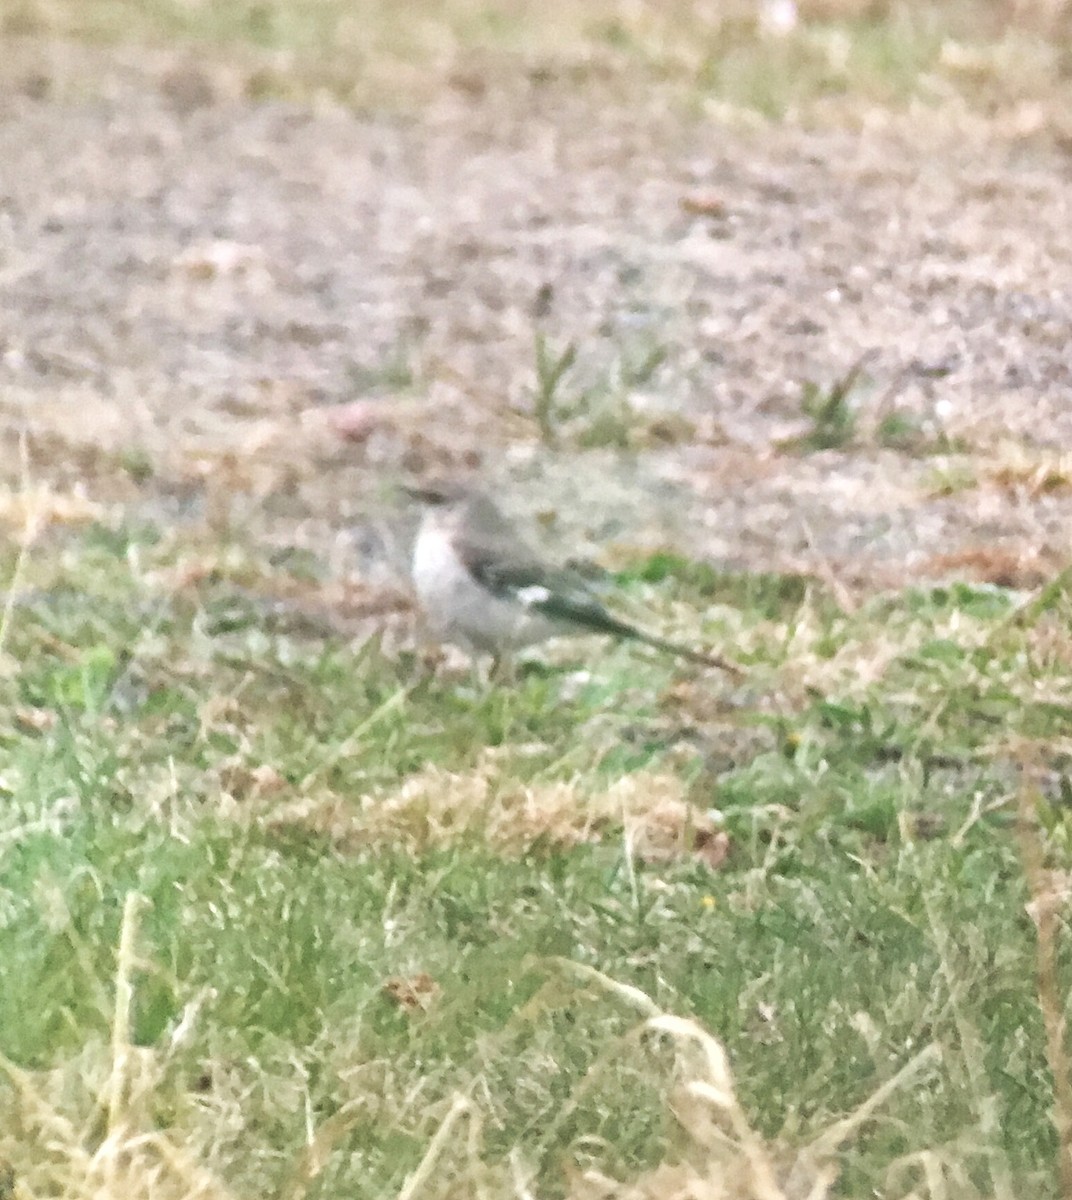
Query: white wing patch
[(531, 596)]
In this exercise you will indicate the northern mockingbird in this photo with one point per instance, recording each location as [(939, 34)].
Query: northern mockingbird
[(482, 586)]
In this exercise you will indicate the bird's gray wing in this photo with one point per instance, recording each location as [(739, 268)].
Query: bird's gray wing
[(511, 570)]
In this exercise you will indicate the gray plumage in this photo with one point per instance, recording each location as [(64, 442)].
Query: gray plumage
[(481, 584)]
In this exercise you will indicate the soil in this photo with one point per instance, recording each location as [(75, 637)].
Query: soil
[(267, 314)]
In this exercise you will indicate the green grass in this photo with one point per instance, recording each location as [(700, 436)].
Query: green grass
[(872, 904), (281, 916)]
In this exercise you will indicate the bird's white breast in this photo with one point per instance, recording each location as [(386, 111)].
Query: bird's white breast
[(459, 606)]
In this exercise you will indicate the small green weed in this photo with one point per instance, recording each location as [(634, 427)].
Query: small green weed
[(578, 405), (831, 410), (552, 366)]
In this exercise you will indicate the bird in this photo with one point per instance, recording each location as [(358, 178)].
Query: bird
[(482, 586)]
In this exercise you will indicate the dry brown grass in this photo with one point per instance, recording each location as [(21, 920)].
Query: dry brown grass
[(1024, 470), (1018, 567), (436, 808)]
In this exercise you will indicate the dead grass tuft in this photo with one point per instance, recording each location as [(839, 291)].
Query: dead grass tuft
[(43, 507), (436, 808), (1029, 470)]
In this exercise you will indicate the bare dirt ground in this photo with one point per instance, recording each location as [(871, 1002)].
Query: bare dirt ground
[(194, 286)]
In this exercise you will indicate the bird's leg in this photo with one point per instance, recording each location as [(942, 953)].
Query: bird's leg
[(476, 675), (502, 668)]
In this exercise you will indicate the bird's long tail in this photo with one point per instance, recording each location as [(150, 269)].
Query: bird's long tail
[(703, 657), (593, 616)]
